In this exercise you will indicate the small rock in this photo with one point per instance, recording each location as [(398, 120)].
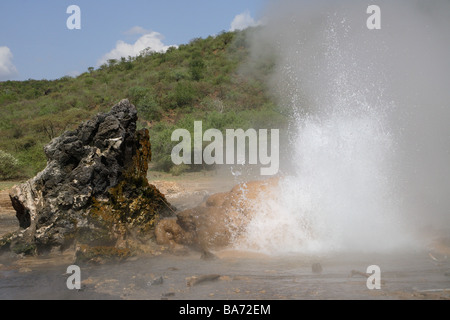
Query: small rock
[(193, 281), (133, 259), (168, 294), (172, 269), (156, 282), (25, 270)]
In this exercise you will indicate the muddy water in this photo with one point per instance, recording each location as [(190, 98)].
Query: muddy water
[(238, 276)]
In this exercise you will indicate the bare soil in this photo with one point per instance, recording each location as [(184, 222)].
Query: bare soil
[(8, 220)]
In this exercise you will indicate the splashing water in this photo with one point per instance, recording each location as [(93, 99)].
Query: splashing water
[(341, 193)]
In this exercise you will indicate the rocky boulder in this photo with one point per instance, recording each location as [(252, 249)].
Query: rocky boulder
[(219, 221), (94, 190)]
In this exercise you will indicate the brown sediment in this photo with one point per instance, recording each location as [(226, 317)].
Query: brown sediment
[(218, 220), (8, 220), (101, 254)]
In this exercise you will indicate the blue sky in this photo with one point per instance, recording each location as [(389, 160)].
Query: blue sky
[(35, 42)]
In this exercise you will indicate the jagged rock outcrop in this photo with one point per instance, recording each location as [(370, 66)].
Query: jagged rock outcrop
[(94, 189)]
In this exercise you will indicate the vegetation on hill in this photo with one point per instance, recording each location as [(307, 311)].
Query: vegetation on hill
[(201, 80)]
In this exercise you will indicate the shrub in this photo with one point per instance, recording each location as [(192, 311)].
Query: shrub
[(137, 93), (196, 68), (160, 137), (89, 81), (178, 170), (145, 102), (149, 108), (33, 160), (9, 166), (184, 94)]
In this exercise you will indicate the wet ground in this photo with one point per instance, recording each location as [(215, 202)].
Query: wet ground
[(232, 275)]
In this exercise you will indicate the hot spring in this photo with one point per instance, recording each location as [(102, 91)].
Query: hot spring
[(367, 139)]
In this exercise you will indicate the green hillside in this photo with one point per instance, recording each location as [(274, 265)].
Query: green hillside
[(201, 80)]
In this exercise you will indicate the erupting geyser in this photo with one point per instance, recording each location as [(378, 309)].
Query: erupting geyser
[(359, 149)]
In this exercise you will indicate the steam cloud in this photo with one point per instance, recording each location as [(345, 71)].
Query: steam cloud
[(371, 116)]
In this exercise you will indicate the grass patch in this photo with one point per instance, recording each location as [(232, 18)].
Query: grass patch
[(6, 185)]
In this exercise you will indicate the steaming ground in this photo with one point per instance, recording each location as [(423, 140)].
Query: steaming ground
[(407, 276), (242, 274)]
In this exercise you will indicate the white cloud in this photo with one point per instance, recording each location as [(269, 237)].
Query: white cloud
[(150, 39), (7, 68), (137, 30), (243, 21)]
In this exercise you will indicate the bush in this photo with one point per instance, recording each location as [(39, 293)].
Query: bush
[(32, 160), (9, 166), (160, 138), (149, 108), (178, 170), (196, 68), (7, 96), (137, 93), (184, 94), (145, 102)]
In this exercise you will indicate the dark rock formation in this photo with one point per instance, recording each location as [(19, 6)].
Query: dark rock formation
[(94, 189)]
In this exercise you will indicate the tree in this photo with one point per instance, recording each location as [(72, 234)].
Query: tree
[(112, 62), (197, 67), (9, 166)]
